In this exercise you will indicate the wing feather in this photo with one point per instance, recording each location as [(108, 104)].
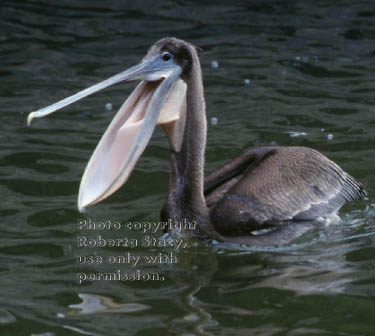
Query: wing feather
[(283, 184)]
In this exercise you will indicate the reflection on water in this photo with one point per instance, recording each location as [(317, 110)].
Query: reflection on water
[(100, 304), (288, 73)]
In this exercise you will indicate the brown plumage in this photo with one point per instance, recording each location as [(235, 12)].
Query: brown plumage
[(284, 190)]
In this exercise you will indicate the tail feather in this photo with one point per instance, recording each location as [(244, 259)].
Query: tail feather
[(352, 189)]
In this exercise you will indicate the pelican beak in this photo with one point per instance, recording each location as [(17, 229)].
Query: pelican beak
[(158, 99)]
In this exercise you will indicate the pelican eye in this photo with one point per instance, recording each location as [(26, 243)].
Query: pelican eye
[(167, 56)]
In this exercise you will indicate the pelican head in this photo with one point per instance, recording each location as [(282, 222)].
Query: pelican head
[(159, 98)]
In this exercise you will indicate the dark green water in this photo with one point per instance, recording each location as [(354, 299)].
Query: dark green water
[(310, 66)]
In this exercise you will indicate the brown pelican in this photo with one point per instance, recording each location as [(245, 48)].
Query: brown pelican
[(267, 196)]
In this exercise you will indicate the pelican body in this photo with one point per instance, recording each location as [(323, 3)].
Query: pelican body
[(266, 196)]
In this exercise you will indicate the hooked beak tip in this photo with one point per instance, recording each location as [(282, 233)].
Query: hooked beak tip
[(30, 117)]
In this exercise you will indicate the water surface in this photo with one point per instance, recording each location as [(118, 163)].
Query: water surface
[(288, 73)]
